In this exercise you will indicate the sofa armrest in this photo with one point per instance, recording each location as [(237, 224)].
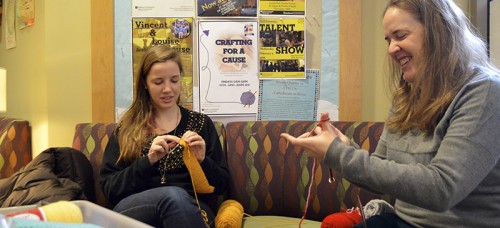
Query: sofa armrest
[(15, 145)]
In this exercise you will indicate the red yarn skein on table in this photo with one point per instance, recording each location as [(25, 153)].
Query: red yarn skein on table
[(345, 219)]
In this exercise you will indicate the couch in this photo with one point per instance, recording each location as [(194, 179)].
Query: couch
[(269, 177), (15, 145)]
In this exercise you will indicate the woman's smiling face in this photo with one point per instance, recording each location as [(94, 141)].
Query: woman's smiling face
[(405, 36)]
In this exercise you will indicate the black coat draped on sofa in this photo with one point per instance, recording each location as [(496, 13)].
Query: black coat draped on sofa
[(60, 173)]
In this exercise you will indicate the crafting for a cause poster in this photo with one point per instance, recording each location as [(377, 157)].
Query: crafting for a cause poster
[(228, 67)]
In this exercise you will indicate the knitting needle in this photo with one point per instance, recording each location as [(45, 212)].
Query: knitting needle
[(331, 179), (361, 211)]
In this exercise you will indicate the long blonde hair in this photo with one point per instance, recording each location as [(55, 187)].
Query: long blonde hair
[(451, 51), (137, 124)]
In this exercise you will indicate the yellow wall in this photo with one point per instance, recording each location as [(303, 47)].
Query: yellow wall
[(48, 73)]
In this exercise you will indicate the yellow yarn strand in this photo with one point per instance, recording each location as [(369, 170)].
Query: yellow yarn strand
[(229, 215), (200, 182)]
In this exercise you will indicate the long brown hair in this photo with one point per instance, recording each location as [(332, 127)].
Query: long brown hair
[(137, 123), (451, 51)]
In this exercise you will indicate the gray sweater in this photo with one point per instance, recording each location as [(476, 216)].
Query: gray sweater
[(448, 179)]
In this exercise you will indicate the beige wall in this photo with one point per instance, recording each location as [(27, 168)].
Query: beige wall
[(495, 33), (48, 79), (374, 98)]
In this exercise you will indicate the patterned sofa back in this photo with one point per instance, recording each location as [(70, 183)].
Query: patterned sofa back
[(268, 176), (15, 145), (271, 177)]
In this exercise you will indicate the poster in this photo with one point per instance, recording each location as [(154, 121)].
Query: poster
[(173, 32), (26, 13), (162, 8), (289, 99), (282, 7), (282, 48), (228, 67), (217, 8), (10, 20)]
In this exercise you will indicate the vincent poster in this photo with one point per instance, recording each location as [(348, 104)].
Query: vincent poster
[(282, 48), (218, 8), (228, 67), (282, 7), (172, 32)]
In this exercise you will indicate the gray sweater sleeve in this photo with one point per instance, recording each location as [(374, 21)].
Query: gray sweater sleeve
[(434, 172)]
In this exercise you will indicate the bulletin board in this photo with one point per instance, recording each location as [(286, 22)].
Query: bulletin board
[(315, 35)]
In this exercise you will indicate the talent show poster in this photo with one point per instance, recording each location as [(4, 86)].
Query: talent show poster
[(228, 67), (282, 48), (289, 99), (282, 7), (171, 32), (218, 8), (162, 8)]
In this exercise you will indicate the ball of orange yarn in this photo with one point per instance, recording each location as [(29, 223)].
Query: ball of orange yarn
[(230, 214), (345, 219)]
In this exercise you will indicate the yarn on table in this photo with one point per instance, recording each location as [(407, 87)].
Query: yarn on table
[(346, 219), (229, 215)]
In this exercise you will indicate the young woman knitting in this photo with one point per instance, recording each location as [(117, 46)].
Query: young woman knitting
[(147, 170)]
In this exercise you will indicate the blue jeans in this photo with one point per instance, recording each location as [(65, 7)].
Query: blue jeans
[(385, 220), (165, 207)]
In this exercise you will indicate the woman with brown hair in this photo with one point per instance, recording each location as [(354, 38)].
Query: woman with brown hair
[(144, 174), (438, 154)]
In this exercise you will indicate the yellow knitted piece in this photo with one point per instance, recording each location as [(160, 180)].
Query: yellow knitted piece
[(200, 182)]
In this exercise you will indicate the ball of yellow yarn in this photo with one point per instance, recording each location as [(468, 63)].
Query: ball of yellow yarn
[(63, 211), (229, 215)]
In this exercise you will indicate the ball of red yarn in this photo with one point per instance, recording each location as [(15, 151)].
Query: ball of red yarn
[(345, 219)]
